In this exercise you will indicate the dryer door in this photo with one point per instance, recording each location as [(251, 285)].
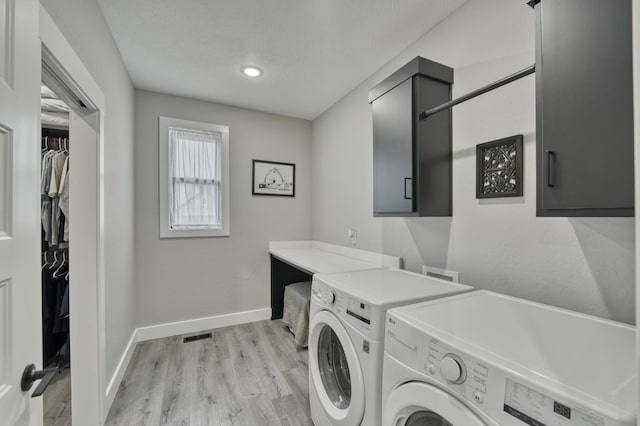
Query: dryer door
[(335, 370), (420, 404)]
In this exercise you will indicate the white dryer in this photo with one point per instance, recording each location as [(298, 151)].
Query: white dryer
[(483, 359), (346, 339)]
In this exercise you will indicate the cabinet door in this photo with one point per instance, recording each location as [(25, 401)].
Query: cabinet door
[(433, 139), (584, 102), (393, 182)]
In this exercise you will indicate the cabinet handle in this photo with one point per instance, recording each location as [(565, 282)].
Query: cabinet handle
[(551, 164), (405, 188)]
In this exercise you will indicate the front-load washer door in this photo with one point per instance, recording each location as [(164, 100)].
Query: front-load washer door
[(335, 370), (421, 404)]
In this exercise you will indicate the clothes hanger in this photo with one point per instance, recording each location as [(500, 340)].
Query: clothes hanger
[(64, 261), (55, 260)]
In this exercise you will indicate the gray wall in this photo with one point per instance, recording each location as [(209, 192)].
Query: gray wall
[(187, 278), (84, 27), (581, 264)]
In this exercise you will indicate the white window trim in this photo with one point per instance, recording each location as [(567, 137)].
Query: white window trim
[(165, 230)]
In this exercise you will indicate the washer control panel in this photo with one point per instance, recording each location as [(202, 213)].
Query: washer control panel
[(537, 409), (498, 390), (453, 368), (457, 369)]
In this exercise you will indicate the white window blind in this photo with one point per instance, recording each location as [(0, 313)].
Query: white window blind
[(195, 163), (194, 179)]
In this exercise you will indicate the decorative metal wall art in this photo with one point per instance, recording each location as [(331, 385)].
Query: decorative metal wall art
[(274, 178), (499, 168)]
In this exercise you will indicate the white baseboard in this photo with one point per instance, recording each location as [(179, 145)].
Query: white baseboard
[(172, 329), (201, 324), (121, 368)]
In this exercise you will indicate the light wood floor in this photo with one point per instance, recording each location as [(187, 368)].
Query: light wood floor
[(57, 400), (249, 374)]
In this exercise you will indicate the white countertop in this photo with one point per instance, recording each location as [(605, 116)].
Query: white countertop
[(316, 257)]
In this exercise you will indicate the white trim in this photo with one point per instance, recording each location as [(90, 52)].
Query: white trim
[(163, 165), (88, 326), (635, 19), (200, 324), (58, 45), (121, 368), (142, 334)]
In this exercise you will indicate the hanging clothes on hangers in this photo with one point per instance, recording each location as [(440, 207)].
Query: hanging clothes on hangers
[(54, 190), (53, 338), (45, 180), (55, 163), (55, 307), (63, 194)]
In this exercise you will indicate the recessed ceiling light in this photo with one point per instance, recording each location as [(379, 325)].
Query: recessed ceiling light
[(251, 71)]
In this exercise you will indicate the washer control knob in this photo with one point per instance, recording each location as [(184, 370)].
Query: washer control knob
[(453, 368), (331, 297), (431, 369), (478, 397)]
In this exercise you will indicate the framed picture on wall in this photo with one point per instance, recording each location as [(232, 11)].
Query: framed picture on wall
[(499, 168), (274, 178)]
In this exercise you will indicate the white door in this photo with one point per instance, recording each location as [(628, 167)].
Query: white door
[(335, 370), (421, 404), (20, 302)]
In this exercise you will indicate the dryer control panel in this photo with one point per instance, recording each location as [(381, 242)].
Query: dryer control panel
[(359, 310), (354, 311)]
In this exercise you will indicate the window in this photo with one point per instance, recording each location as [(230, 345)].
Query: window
[(194, 179)]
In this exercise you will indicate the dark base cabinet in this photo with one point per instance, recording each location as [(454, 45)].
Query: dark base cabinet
[(584, 102), (283, 274), (412, 156)]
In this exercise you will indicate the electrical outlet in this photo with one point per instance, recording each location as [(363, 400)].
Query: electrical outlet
[(353, 236)]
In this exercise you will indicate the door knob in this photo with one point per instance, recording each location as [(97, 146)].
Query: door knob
[(30, 375)]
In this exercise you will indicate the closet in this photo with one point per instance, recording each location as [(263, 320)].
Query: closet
[(54, 194)]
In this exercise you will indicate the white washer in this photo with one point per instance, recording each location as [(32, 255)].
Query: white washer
[(483, 359), (346, 334)]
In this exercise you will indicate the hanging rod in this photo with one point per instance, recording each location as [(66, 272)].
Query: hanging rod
[(513, 77)]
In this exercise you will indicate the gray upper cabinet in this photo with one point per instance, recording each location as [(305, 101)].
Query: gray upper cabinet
[(412, 156), (584, 108)]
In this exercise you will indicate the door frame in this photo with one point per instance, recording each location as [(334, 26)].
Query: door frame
[(87, 301), (635, 17)]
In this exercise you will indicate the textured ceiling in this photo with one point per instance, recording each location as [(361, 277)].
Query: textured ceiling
[(312, 52)]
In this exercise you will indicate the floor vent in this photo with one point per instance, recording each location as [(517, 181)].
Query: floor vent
[(443, 274), (198, 337)]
